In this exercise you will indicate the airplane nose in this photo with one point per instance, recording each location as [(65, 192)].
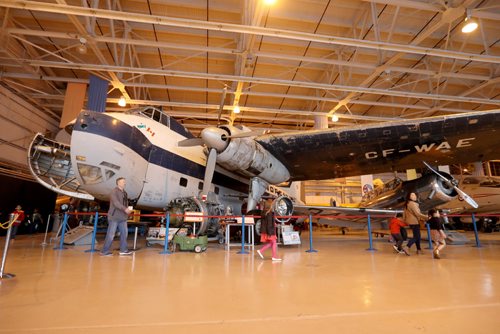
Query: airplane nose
[(215, 138)]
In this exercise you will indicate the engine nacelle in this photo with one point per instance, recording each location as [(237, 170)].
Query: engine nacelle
[(250, 158), (432, 191), (179, 206)]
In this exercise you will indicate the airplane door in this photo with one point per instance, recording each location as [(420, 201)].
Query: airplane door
[(155, 191), (135, 160)]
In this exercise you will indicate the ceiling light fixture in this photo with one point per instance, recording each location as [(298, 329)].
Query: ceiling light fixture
[(469, 24), (122, 102), (236, 110), (269, 2), (335, 118), (82, 48)]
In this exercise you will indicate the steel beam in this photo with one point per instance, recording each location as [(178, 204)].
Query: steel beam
[(62, 8)]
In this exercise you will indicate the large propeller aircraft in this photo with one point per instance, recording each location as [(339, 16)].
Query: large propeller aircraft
[(166, 167)]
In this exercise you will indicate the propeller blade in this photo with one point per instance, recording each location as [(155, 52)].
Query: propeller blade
[(190, 142), (209, 170), (466, 198), (436, 172), (460, 192), (221, 105)]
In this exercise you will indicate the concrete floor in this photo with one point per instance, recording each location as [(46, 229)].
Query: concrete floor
[(341, 289)]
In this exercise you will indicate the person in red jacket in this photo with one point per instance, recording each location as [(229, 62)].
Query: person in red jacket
[(19, 213), (395, 227)]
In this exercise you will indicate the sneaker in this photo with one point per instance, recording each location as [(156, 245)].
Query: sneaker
[(260, 254), (435, 254), (126, 253), (106, 254), (276, 259), (419, 251), (406, 252), (395, 248)]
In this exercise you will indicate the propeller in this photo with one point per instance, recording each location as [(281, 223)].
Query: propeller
[(216, 139), (209, 170), (466, 197), (190, 142)]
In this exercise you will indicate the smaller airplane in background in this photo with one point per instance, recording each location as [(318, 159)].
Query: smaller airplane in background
[(485, 190), (433, 188)]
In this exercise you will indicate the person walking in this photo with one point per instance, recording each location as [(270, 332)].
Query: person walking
[(412, 217), (117, 218), (437, 232), (19, 217), (36, 220), (395, 226), (268, 232)]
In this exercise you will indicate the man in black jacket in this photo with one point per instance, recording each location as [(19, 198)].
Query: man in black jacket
[(117, 218)]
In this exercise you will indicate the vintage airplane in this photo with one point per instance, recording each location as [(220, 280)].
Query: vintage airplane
[(433, 188), (485, 190), (166, 167)]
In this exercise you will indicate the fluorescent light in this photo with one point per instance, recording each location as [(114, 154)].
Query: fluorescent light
[(122, 102), (335, 118), (236, 109)]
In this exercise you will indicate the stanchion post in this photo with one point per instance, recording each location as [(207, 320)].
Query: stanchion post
[(167, 228), (242, 251), (6, 250), (370, 237), (94, 233), (63, 232), (429, 235), (311, 249), (44, 243), (478, 244)]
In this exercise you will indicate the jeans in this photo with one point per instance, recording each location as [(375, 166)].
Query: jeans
[(110, 235), (13, 231), (399, 240), (415, 239)]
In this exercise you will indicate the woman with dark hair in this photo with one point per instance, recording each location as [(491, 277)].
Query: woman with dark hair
[(437, 232), (412, 217), (268, 232)]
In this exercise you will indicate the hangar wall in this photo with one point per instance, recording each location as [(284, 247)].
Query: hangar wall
[(20, 121)]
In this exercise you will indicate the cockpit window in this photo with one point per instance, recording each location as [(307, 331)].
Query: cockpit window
[(150, 112), (163, 118), (89, 174)]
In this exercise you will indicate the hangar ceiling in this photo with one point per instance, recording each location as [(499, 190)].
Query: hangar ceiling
[(283, 64)]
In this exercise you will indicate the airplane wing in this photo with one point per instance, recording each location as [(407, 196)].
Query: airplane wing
[(347, 217), (336, 210), (390, 146)]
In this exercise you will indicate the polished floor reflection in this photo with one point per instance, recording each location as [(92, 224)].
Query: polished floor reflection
[(343, 289)]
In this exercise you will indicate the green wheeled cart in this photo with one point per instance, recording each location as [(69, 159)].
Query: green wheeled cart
[(190, 243)]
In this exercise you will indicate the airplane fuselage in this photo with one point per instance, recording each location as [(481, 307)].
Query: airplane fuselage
[(105, 146)]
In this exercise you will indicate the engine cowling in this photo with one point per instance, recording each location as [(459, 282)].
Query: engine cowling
[(249, 158)]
